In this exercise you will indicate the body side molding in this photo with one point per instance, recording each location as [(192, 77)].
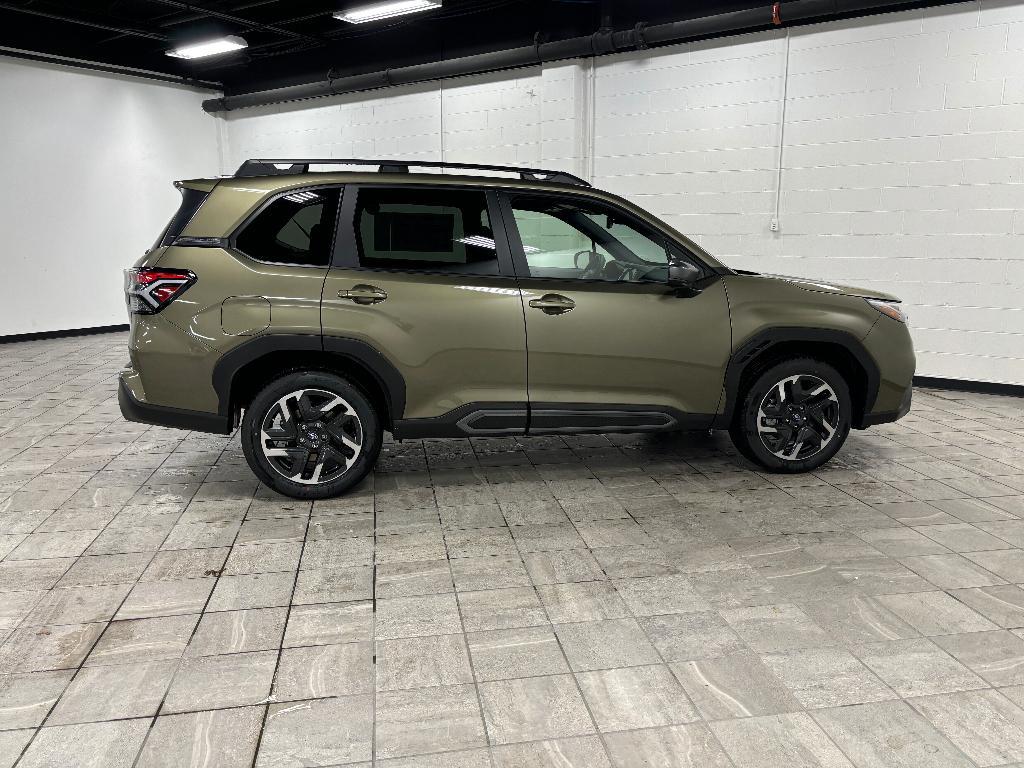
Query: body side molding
[(494, 419), (471, 419)]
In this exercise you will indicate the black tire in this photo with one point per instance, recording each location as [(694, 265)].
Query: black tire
[(793, 422), (321, 442)]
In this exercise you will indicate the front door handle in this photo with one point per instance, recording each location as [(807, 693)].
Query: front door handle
[(553, 304), (364, 294)]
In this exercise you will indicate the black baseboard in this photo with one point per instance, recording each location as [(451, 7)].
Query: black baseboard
[(959, 385), (62, 334)]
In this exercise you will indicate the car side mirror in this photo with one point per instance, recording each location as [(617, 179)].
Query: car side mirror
[(682, 273)]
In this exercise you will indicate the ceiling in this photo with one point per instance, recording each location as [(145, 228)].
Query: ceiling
[(298, 41)]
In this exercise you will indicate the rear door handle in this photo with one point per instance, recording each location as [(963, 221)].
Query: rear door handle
[(553, 304), (364, 294)]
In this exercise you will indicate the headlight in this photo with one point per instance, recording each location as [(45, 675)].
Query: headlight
[(889, 308)]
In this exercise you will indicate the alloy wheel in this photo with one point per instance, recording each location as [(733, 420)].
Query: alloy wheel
[(311, 436), (798, 417)]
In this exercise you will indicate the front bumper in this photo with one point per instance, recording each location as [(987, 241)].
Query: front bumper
[(136, 410), (884, 417)]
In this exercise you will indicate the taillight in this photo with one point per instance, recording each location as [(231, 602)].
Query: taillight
[(149, 289)]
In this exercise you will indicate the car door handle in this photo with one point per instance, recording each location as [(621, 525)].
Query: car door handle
[(364, 294), (553, 304)]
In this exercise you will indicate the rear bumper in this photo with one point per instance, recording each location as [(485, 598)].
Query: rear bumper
[(136, 410), (885, 417)]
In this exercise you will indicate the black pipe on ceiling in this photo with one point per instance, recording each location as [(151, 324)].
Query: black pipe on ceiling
[(598, 44)]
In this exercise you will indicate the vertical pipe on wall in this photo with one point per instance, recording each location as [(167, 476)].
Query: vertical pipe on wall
[(590, 122), (440, 110), (775, 225)]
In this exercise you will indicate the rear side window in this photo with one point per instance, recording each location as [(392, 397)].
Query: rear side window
[(425, 230), (297, 228), (191, 199)]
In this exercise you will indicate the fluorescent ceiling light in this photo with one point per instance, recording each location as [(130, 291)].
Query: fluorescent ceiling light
[(379, 11), (208, 48)]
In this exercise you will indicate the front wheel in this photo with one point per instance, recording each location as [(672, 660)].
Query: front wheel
[(311, 435), (794, 417)]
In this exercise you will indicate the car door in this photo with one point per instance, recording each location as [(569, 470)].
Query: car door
[(610, 344), (419, 276)]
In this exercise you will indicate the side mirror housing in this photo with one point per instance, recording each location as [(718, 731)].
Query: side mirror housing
[(682, 273)]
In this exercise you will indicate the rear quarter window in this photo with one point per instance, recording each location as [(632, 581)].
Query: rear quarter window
[(295, 228)]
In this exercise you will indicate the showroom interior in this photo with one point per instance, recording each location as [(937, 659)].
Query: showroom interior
[(570, 598)]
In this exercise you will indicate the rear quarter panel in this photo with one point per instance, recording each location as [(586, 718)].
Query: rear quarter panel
[(233, 300)]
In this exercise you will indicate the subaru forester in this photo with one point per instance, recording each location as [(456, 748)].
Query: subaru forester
[(319, 308)]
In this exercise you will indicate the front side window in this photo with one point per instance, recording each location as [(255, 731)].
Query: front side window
[(425, 230), (582, 239), (296, 228)]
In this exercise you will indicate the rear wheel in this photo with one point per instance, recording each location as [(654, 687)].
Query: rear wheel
[(311, 435), (794, 417)]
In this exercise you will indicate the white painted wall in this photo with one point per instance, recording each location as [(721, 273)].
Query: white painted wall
[(903, 162), (88, 162), (903, 156)]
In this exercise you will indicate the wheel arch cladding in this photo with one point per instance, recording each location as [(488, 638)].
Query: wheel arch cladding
[(243, 371), (843, 351)]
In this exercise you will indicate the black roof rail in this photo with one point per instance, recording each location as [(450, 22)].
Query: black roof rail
[(260, 167)]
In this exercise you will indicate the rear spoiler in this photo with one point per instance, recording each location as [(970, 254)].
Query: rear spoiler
[(200, 185)]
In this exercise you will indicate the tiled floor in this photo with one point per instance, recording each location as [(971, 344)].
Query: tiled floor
[(582, 603)]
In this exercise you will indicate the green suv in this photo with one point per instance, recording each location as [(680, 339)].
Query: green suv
[(321, 309)]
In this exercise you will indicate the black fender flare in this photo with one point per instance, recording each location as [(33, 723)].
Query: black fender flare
[(391, 381), (767, 338)]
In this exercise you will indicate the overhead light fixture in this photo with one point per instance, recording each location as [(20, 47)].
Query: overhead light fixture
[(379, 11), (208, 48)]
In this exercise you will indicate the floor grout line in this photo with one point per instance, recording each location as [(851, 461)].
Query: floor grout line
[(530, 466)]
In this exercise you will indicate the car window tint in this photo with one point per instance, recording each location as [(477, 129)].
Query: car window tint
[(296, 228), (425, 230)]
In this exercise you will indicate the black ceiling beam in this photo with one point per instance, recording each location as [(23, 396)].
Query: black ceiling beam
[(93, 66), (240, 20), (175, 19), (83, 22)]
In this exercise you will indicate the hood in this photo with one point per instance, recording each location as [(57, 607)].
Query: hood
[(824, 287)]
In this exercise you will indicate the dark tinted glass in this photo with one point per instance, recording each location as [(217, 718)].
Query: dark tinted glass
[(296, 228), (432, 230), (191, 199)]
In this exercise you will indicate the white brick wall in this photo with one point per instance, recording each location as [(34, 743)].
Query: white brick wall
[(903, 156), (903, 164), (88, 160), (488, 118)]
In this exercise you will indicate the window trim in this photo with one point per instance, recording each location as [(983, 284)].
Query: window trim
[(163, 234), (346, 245), (231, 241), (522, 267)]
